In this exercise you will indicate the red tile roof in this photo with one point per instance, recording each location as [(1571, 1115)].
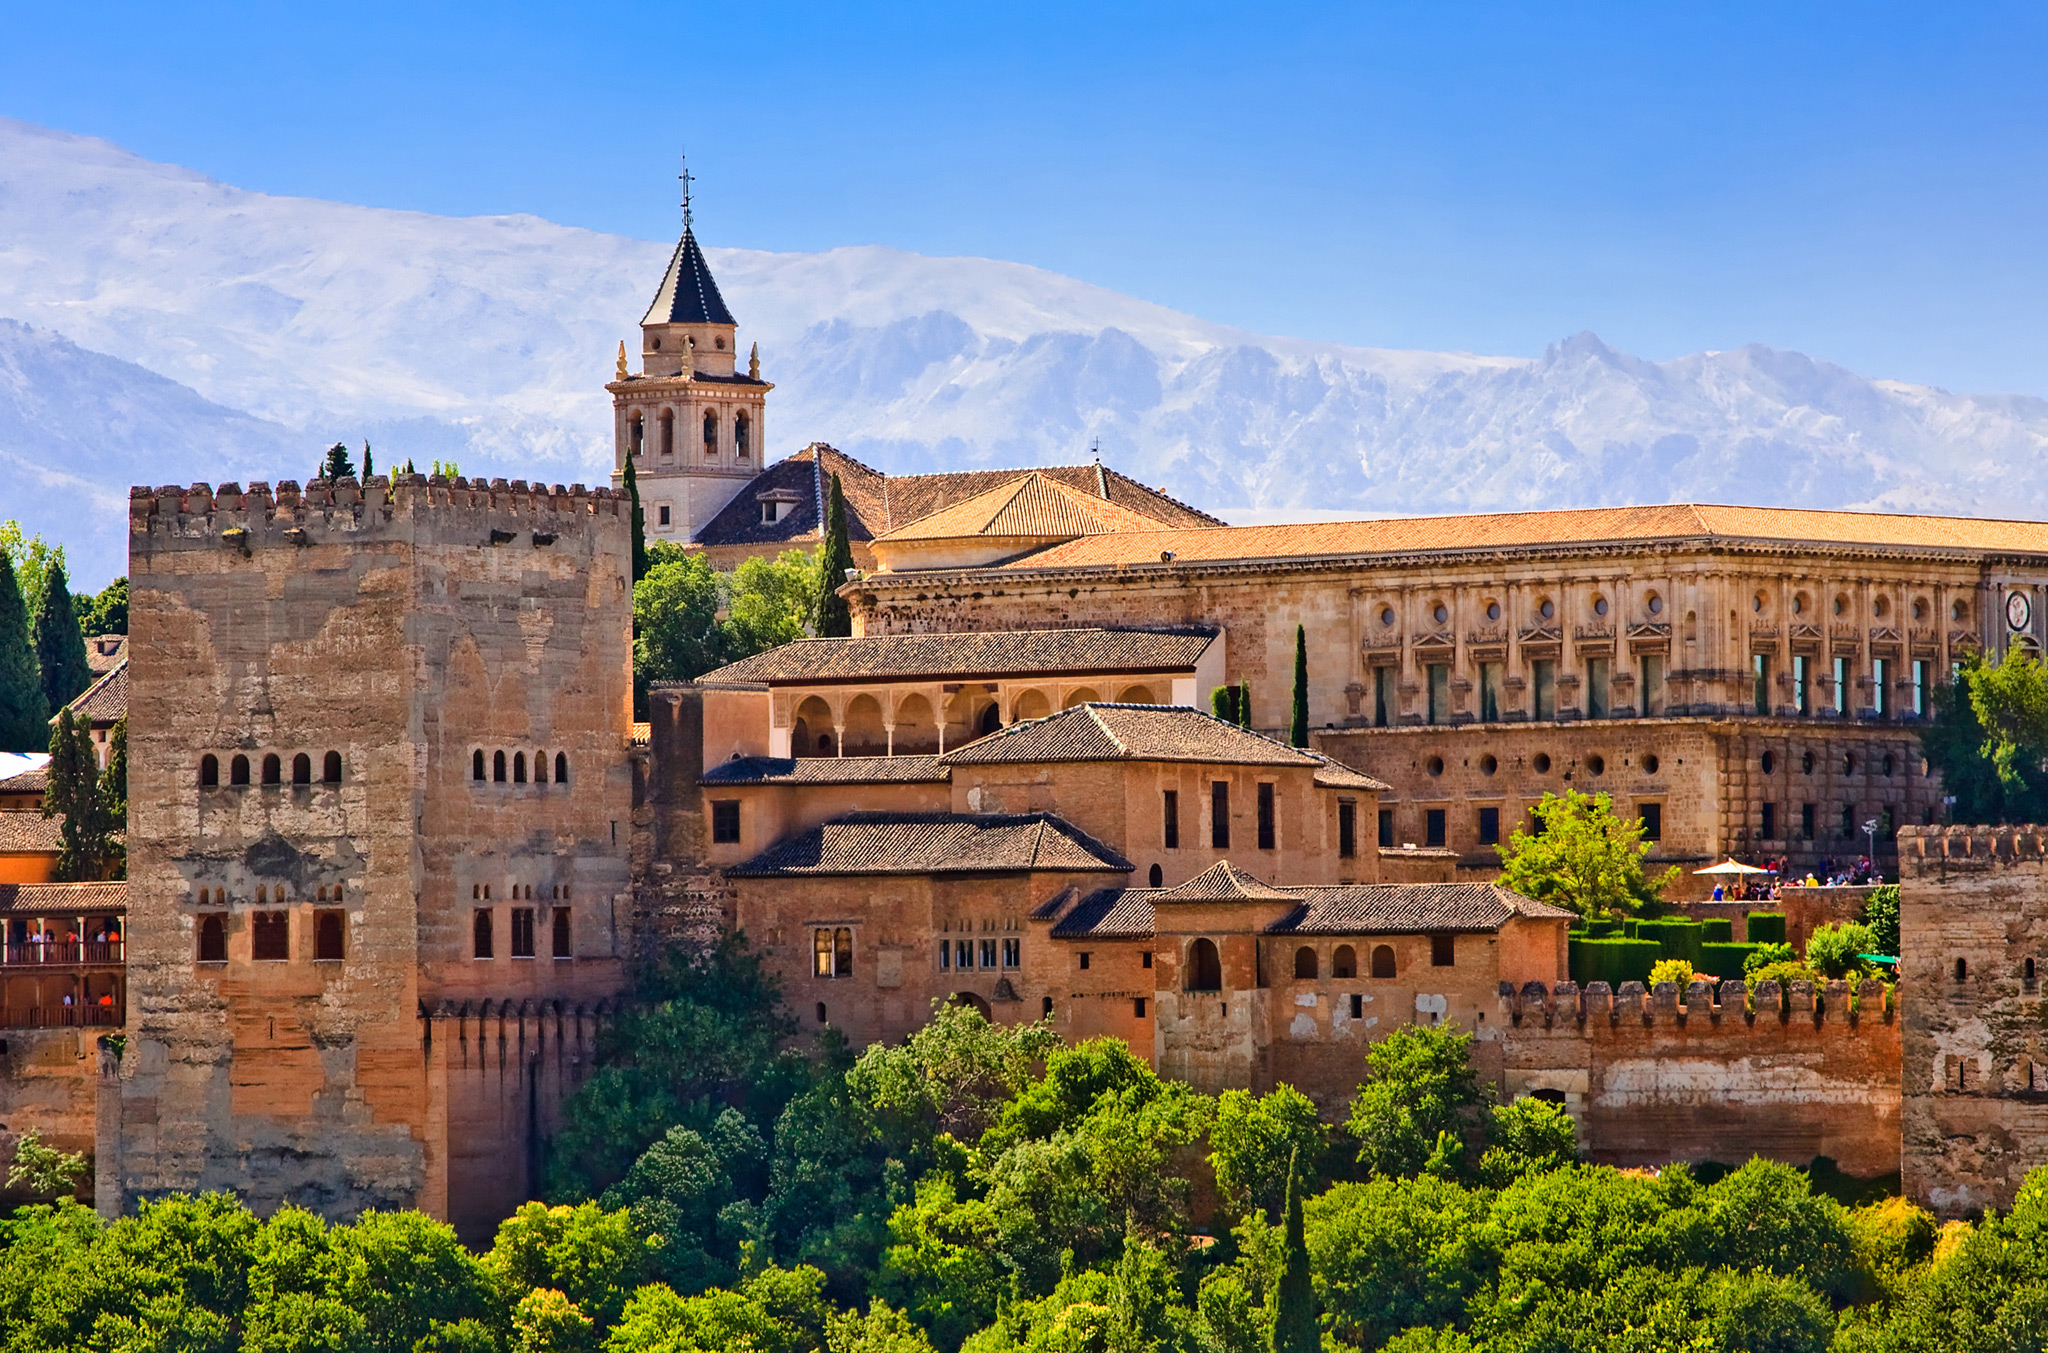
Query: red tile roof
[(1103, 732), (972, 657), (935, 843), (30, 833), (1033, 507), (63, 897)]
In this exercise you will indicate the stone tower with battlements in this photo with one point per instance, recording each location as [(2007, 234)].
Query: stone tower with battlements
[(693, 421), (379, 839)]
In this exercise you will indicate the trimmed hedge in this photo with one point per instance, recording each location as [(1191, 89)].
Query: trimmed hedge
[(1601, 930), (1725, 961), (1613, 961), (1719, 932), (1676, 939), (1767, 927)]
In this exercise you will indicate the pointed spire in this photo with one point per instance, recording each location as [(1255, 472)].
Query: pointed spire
[(754, 362), (688, 295), (622, 359)]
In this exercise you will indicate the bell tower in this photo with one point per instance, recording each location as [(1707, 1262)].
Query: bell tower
[(693, 421)]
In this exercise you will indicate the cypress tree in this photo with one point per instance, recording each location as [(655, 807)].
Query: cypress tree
[(24, 713), (1223, 703), (830, 616), (1300, 731), (73, 793), (367, 471), (114, 781), (60, 646), (1244, 703), (1294, 1312), (639, 522), (337, 465)]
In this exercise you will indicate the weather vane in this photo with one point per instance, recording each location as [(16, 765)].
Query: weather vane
[(687, 179)]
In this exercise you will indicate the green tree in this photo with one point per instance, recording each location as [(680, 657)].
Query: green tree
[(1298, 735), (675, 621), (1391, 1253), (1583, 857), (105, 612), (1989, 738), (1419, 1092), (881, 1329), (830, 617), (1525, 1137), (336, 464), (73, 794), (1244, 703), (1223, 703), (24, 712), (1881, 914), (1295, 1329), (1256, 1140), (1832, 950), (942, 1264), (367, 469), (767, 603), (593, 1257), (32, 557), (114, 780), (44, 1170), (639, 519), (60, 647)]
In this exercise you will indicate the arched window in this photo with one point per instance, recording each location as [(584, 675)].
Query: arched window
[(209, 771), (1304, 964), (821, 1012), (476, 764), (302, 769), (636, 431), (740, 444), (498, 767), (1383, 960), (561, 768), (1157, 876), (1344, 962), (842, 952), (710, 433), (330, 768), (273, 770), (213, 939), (238, 770), (519, 768), (480, 933), (1962, 970), (561, 932), (262, 894), (668, 432), (1205, 967), (327, 936), (540, 768)]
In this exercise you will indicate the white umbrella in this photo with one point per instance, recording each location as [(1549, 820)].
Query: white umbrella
[(1731, 867)]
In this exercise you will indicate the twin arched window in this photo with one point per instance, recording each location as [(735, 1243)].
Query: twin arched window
[(513, 770), (271, 771)]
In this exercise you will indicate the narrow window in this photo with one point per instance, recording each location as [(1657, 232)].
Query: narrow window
[(540, 768), (213, 939), (1382, 696), (209, 771), (522, 932), (710, 433), (1344, 961), (636, 432), (667, 424), (302, 769), (1171, 814), (1145, 959), (963, 954), (1802, 700), (1546, 688), (480, 931), (1807, 813), (945, 956), (664, 515), (1597, 683), (330, 768), (821, 1012), (1013, 953), (1962, 970), (498, 767), (1433, 825), (1919, 688), (1489, 826), (1347, 829), (1156, 877), (1383, 960), (270, 936), (725, 821), (561, 768), (1084, 956), (1386, 829), (1489, 692), (1219, 815), (1443, 951), (561, 928), (1357, 1005), (1266, 829), (273, 769), (328, 936), (1304, 964), (1653, 686), (1439, 675), (519, 768), (1045, 1008), (988, 953), (740, 442), (1137, 1006), (476, 765), (1651, 818), (1842, 686), (842, 953), (2027, 973), (1762, 665), (821, 954), (238, 771), (1770, 825), (1848, 821), (1879, 679)]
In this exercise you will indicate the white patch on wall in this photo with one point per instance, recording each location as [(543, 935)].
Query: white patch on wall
[(974, 799), (1374, 1020), (1427, 1003), (1307, 998), (1303, 1027)]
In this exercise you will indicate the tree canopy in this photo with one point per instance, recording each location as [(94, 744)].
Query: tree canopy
[(1581, 856), (24, 710), (1989, 738), (830, 617), (59, 642)]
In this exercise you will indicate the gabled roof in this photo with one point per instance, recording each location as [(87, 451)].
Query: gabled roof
[(935, 843), (58, 898), (1033, 507), (1224, 882), (1409, 908), (687, 294), (827, 770), (28, 832), (971, 657), (103, 651), (1337, 775), (1111, 914), (1105, 732), (34, 780), (106, 700)]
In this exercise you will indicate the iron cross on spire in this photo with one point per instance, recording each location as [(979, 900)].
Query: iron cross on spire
[(687, 179)]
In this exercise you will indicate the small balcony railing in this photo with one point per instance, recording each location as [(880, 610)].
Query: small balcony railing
[(61, 953)]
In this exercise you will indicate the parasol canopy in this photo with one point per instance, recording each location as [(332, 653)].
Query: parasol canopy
[(1730, 867)]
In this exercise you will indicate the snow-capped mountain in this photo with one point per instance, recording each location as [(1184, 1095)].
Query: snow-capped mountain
[(171, 328)]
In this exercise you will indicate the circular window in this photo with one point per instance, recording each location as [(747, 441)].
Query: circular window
[(1889, 764), (1493, 610), (1440, 613), (1487, 765), (1547, 609), (1842, 605), (1848, 763), (1650, 763), (718, 343), (1656, 604), (1881, 608), (1435, 765), (1387, 616), (1961, 610), (1799, 604), (1919, 608), (1806, 764), (1542, 763), (657, 345), (1770, 763), (1756, 603), (1596, 765), (1599, 606)]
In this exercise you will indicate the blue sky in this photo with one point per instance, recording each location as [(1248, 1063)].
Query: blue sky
[(1864, 183)]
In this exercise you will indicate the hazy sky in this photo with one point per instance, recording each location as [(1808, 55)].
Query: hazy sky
[(1862, 182)]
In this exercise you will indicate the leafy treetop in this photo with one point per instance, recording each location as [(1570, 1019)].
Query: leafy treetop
[(1582, 856)]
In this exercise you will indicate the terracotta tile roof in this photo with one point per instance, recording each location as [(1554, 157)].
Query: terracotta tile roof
[(935, 843), (1408, 908), (106, 700), (1337, 775), (102, 651), (63, 897), (828, 770), (1035, 506), (1587, 526), (23, 832), (973, 656), (32, 781), (1225, 882), (912, 497), (1111, 914), (1129, 733)]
